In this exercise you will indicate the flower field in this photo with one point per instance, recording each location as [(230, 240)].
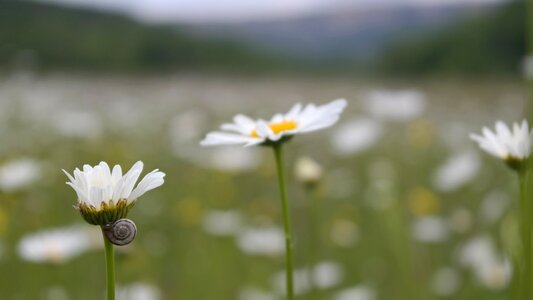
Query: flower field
[(403, 204)]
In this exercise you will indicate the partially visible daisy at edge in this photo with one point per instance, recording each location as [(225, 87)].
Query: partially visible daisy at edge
[(299, 119), (511, 144), (105, 196)]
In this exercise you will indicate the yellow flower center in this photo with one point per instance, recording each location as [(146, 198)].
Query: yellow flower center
[(278, 127)]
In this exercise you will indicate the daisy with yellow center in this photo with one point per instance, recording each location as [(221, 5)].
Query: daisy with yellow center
[(280, 128), (299, 119), (513, 145)]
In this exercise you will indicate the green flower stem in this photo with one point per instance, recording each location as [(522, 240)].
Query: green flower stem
[(526, 231), (110, 267), (286, 219), (314, 238)]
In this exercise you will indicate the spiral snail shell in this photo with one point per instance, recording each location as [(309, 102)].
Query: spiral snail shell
[(121, 232)]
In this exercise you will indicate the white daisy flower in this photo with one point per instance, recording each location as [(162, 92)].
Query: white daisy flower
[(246, 131), (105, 196), (511, 145)]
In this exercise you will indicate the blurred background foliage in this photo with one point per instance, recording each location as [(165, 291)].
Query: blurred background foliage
[(52, 37)]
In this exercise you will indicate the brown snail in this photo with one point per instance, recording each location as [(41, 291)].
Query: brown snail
[(120, 232)]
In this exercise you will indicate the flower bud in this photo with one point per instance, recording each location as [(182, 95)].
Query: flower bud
[(308, 171)]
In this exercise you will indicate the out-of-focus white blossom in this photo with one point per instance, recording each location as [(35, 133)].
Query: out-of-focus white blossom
[(18, 174), (356, 135), (56, 245), (307, 170), (396, 105), (457, 171), (262, 241), (327, 274), (300, 281), (359, 292), (491, 269), (138, 291), (430, 230)]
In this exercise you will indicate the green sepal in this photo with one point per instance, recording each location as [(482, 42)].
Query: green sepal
[(107, 213)]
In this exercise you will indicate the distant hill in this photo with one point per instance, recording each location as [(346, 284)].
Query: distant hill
[(48, 36), (353, 34), (399, 40), (493, 43)]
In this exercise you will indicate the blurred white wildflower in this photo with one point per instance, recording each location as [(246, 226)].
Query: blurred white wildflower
[(356, 135), (80, 124), (253, 293), (324, 275), (359, 292), (396, 105), (430, 230), (222, 223), (512, 145), (300, 281), (445, 281), (138, 291), (307, 171), (327, 274), (457, 171), (262, 241), (247, 132), (232, 159), (18, 174), (56, 245), (480, 256)]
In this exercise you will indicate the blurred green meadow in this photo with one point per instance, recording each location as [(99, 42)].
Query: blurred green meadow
[(408, 207)]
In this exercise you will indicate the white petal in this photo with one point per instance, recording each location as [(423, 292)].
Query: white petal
[(96, 196), (116, 175), (129, 182), (222, 138), (277, 118), (149, 182), (82, 196), (244, 122), (236, 128), (263, 130), (69, 176), (294, 112)]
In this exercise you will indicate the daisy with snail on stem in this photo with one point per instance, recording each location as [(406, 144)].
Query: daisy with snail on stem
[(104, 198), (274, 133), (513, 146)]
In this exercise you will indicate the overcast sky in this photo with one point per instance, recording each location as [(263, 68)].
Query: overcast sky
[(237, 10)]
